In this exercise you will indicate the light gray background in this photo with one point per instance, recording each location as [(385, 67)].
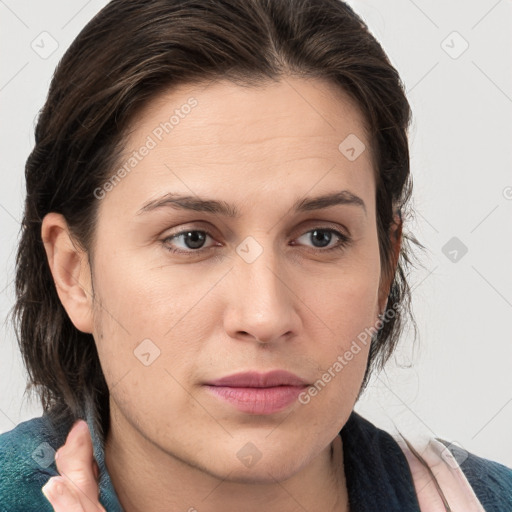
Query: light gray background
[(456, 381)]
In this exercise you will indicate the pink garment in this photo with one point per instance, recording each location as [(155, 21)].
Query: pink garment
[(444, 478)]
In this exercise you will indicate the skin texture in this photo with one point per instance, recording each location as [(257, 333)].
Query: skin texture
[(297, 306)]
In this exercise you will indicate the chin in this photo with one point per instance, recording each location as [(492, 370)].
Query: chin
[(261, 473), (250, 465)]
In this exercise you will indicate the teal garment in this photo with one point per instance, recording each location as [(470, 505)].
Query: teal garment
[(27, 462), (377, 473)]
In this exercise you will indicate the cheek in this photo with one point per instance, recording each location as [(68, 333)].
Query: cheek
[(340, 347), (345, 299), (148, 318), (344, 308), (142, 299)]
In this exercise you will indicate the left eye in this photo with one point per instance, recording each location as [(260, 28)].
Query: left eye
[(324, 236), (195, 239)]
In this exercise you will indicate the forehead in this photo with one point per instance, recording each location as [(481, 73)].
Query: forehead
[(251, 114), (282, 135)]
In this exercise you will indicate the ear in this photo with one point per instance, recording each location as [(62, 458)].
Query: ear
[(69, 266), (395, 236)]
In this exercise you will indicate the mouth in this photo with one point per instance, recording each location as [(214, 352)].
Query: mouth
[(254, 379), (258, 393)]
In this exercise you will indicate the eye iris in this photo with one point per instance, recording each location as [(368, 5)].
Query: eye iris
[(194, 239), (326, 237)]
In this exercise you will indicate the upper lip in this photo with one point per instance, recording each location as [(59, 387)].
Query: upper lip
[(254, 379)]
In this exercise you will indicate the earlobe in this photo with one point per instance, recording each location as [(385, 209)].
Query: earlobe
[(69, 266)]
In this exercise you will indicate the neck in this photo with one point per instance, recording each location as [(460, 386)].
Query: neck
[(159, 481)]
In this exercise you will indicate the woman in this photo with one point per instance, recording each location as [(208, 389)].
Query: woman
[(174, 290)]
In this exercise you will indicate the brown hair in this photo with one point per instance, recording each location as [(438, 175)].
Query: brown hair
[(127, 54)]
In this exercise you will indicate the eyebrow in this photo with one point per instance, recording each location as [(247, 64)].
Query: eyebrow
[(198, 204)]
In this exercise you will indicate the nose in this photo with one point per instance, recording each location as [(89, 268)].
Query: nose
[(262, 304)]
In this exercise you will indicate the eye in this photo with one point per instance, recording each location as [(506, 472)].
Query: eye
[(323, 237), (194, 240)]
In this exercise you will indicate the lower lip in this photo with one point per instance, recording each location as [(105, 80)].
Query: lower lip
[(258, 400)]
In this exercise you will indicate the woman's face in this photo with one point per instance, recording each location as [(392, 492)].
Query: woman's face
[(270, 288)]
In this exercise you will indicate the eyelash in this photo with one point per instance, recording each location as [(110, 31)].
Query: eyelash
[(341, 245)]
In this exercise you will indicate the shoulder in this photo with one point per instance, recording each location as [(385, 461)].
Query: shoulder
[(27, 462), (377, 453), (491, 481)]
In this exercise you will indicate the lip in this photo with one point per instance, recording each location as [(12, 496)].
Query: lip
[(254, 379), (258, 393), (258, 400)]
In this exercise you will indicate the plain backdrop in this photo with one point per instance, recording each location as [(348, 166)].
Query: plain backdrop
[(455, 380)]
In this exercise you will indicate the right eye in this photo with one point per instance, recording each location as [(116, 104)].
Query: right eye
[(193, 239)]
